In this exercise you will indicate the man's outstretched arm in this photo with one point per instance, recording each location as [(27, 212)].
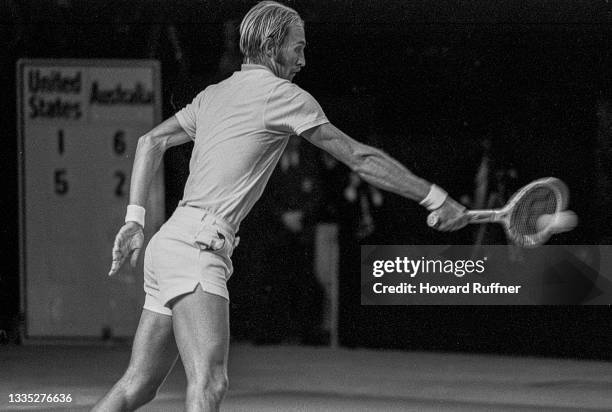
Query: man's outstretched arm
[(149, 154), (381, 170)]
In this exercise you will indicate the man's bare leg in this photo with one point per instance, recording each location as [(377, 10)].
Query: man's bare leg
[(201, 328), (154, 353)]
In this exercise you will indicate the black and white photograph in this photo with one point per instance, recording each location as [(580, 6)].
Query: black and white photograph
[(306, 205)]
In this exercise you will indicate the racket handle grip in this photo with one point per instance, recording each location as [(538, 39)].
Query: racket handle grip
[(433, 219)]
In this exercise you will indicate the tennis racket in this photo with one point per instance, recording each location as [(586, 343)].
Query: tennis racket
[(519, 216)]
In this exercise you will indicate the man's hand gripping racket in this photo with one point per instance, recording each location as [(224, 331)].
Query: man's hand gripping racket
[(531, 216), (128, 242), (450, 216)]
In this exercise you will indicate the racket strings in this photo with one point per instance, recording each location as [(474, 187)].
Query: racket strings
[(533, 204)]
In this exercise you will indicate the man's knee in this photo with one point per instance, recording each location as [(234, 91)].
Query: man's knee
[(212, 385), (138, 389), (218, 387)]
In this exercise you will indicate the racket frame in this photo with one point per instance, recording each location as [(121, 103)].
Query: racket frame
[(502, 216)]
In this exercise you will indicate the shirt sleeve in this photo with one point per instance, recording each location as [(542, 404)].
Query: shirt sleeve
[(292, 110), (188, 115)]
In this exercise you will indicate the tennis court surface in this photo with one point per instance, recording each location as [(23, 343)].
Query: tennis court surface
[(294, 378)]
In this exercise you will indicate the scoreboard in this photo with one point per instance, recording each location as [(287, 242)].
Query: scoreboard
[(79, 122)]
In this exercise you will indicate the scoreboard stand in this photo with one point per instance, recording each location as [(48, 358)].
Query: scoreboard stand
[(78, 125)]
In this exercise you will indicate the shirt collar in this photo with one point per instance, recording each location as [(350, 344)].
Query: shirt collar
[(250, 66)]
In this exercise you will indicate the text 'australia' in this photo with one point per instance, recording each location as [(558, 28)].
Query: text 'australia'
[(119, 95)]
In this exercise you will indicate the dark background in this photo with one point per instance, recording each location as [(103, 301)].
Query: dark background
[(431, 78)]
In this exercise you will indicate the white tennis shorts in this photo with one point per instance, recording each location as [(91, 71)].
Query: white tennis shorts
[(194, 247)]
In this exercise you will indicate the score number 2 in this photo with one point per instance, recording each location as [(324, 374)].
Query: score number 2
[(119, 188)]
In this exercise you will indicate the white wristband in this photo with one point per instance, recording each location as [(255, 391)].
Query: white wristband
[(435, 198), (136, 214)]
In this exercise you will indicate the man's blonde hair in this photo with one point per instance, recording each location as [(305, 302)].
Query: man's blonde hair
[(267, 21)]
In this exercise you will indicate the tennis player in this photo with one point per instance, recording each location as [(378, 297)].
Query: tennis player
[(240, 127)]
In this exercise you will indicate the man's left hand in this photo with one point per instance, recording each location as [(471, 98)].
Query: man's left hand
[(128, 242)]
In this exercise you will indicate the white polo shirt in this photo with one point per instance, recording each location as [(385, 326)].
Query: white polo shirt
[(241, 127)]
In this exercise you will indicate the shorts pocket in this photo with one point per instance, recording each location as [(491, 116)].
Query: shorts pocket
[(208, 237)]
